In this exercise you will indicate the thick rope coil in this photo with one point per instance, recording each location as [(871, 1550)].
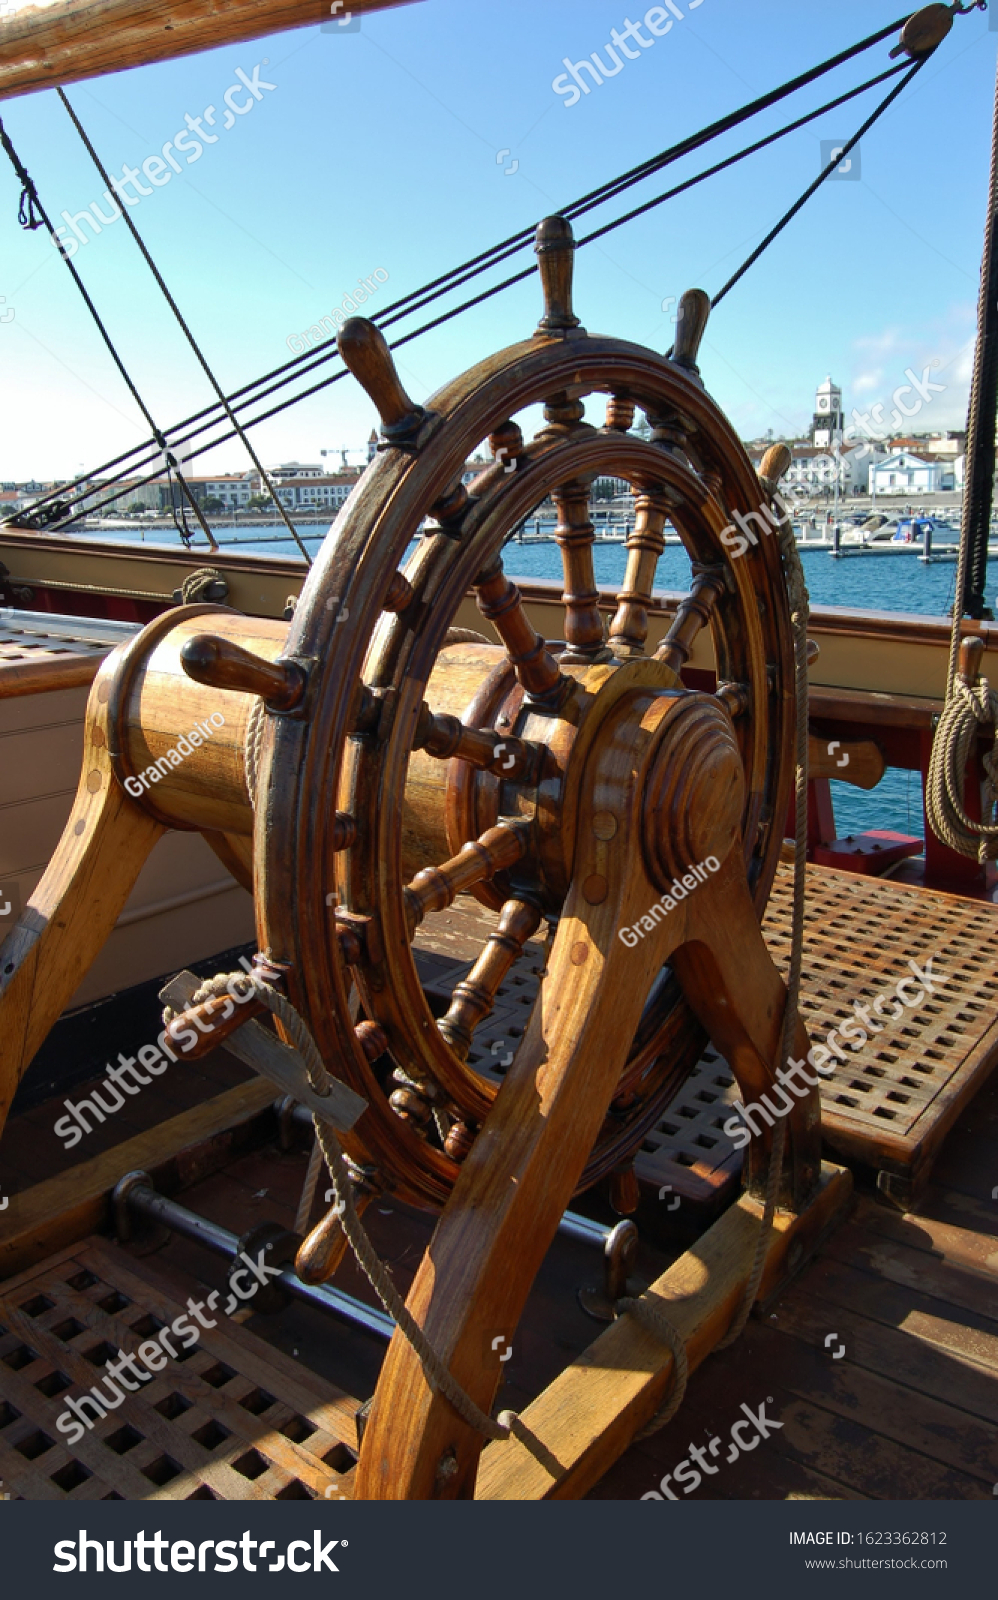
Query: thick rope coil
[(966, 710), (252, 746), (194, 590)]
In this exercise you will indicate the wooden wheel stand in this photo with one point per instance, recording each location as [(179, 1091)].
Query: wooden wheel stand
[(589, 789)]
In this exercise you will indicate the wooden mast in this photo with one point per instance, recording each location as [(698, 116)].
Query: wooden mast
[(42, 46)]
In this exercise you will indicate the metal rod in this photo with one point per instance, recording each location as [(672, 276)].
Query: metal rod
[(142, 1197), (572, 1224)]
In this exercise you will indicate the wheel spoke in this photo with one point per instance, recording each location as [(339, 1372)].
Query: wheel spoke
[(574, 535), (474, 996), (500, 601), (435, 888), (693, 614), (645, 544), (443, 736)]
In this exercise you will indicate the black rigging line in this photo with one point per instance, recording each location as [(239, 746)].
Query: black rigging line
[(29, 219), (318, 358), (209, 374), (813, 187), (527, 272), (308, 360)]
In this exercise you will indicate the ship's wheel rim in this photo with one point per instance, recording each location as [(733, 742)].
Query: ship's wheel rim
[(354, 569)]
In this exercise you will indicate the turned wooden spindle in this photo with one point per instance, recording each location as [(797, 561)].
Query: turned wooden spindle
[(365, 351), (459, 1140), (399, 595), (223, 664), (645, 543), (506, 444), (773, 465), (443, 736), (625, 1192), (344, 831), (691, 324), (435, 888), (574, 536), (474, 996), (971, 655), (412, 1107), (500, 601), (619, 414), (563, 417), (555, 248), (693, 614), (449, 510), (211, 1023), (735, 698), (324, 1248)]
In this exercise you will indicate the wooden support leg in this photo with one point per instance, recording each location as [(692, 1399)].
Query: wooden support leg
[(729, 979), (73, 910), (588, 1416)]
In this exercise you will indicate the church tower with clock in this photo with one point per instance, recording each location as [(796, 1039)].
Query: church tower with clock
[(829, 422)]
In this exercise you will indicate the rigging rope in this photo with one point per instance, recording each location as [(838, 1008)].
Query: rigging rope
[(308, 361), (970, 707), (209, 374), (29, 219)]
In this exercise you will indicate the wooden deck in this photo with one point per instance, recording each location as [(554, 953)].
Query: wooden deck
[(907, 1411)]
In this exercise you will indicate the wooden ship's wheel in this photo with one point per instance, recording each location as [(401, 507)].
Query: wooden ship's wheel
[(373, 763)]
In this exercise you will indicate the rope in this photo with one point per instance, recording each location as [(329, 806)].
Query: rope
[(799, 606), (255, 725), (309, 360), (209, 374), (965, 712), (194, 588), (812, 188), (980, 473), (969, 707), (464, 636), (29, 219), (307, 1200), (650, 1316), (368, 1259)]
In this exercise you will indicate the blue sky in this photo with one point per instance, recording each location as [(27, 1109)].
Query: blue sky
[(380, 149)]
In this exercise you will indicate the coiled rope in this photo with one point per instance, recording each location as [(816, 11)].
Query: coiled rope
[(970, 707)]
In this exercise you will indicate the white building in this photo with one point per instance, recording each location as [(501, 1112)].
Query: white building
[(828, 422), (814, 471), (908, 474)]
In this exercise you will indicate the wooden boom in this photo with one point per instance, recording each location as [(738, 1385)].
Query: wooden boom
[(41, 46)]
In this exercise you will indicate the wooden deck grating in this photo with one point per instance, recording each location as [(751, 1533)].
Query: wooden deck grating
[(231, 1419), (888, 1106)]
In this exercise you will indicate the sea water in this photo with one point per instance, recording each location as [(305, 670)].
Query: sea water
[(898, 582)]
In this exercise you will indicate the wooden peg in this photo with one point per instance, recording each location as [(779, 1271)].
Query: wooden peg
[(555, 247), (691, 322), (773, 465), (222, 664), (971, 652), (365, 351)]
